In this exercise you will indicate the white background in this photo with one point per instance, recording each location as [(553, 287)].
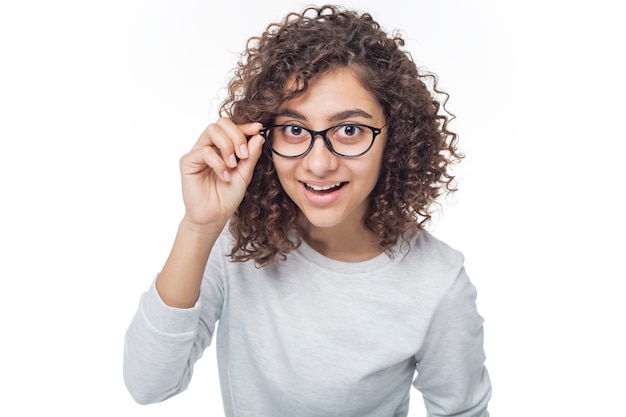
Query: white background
[(98, 100)]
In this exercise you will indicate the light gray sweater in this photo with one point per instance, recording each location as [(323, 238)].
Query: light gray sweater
[(312, 336)]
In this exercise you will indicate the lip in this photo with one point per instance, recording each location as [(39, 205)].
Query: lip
[(323, 196)]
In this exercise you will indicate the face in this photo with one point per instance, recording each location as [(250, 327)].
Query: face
[(330, 190)]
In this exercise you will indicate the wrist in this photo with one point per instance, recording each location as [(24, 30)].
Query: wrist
[(212, 229)]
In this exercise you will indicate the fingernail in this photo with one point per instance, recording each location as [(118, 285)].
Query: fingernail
[(226, 175), (243, 151), (232, 161)]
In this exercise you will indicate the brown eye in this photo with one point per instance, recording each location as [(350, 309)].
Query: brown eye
[(344, 132), (293, 130), (349, 130)]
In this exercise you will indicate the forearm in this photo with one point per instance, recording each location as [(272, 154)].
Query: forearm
[(160, 347), (171, 327), (179, 282)]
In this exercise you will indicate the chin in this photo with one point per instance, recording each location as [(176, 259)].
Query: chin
[(316, 218), (326, 220), (322, 222)]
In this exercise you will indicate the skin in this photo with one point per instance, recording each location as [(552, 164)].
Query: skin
[(333, 221), (214, 183)]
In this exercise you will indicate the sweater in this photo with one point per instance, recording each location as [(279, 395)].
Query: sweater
[(312, 336)]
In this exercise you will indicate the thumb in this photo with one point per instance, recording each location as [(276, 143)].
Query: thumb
[(246, 166), (251, 128)]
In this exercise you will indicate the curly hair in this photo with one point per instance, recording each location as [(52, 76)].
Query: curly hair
[(419, 151)]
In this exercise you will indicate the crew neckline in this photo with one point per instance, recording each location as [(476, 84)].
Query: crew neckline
[(307, 254)]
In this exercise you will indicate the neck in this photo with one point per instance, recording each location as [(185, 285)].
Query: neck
[(343, 242)]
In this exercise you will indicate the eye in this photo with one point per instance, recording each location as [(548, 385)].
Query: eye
[(347, 131), (293, 130)]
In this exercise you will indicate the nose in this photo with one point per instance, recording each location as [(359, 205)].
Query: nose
[(320, 159)]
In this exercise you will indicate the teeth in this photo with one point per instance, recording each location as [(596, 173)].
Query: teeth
[(322, 187)]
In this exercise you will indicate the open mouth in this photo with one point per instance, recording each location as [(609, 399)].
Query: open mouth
[(324, 189)]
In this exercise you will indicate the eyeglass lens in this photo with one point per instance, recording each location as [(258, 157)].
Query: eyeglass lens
[(346, 139)]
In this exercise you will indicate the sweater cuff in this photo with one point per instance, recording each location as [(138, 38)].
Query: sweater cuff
[(168, 320)]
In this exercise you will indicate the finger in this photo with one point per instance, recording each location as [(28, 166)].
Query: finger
[(246, 167), (204, 139), (204, 158), (223, 140), (239, 135)]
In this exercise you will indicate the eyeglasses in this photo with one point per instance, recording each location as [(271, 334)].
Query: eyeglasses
[(349, 140)]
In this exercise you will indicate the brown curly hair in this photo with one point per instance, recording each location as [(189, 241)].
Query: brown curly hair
[(419, 151)]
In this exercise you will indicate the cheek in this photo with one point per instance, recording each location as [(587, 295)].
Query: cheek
[(372, 170), (284, 172), (372, 176)]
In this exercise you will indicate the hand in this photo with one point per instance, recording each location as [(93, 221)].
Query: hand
[(213, 180)]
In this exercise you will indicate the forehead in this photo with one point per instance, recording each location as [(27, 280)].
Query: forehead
[(334, 92)]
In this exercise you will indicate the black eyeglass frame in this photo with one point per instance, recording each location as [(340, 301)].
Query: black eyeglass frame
[(375, 132)]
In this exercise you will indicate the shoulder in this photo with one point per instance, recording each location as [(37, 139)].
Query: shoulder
[(428, 250), (428, 264)]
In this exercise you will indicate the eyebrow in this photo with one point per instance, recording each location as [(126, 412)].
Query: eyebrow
[(345, 114)]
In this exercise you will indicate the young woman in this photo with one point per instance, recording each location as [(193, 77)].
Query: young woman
[(303, 236)]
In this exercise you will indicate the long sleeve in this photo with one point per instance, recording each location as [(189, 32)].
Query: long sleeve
[(314, 336), (451, 372), (163, 343)]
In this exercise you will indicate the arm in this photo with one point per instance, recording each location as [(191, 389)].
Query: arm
[(173, 325), (450, 365), (214, 184), (162, 345)]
